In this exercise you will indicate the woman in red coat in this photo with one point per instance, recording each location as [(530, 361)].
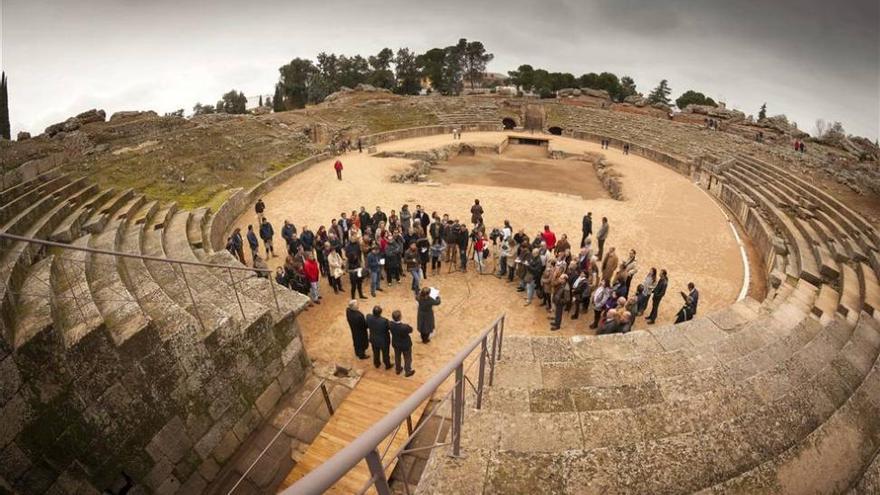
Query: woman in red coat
[(310, 267), (338, 167)]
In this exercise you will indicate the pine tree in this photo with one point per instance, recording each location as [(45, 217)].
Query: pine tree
[(661, 93), (261, 100), (278, 99), (762, 114), (5, 131)]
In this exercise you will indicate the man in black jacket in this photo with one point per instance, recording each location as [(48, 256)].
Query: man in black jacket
[(365, 218), (358, 325), (586, 227), (657, 296), (402, 344), (380, 337)]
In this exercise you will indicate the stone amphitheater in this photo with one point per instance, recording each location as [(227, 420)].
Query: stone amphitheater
[(138, 356)]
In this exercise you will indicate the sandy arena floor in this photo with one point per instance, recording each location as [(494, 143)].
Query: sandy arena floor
[(670, 222)]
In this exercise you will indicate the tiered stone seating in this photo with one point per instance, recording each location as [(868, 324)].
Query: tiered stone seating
[(105, 366)]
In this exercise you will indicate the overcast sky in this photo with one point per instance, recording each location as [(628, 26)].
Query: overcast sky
[(808, 59)]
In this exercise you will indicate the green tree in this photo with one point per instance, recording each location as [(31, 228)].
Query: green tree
[(476, 58), (660, 94), (590, 80), (381, 75), (297, 78), (5, 128), (278, 99), (762, 113), (454, 67), (352, 71), (523, 77), (431, 64), (407, 71), (261, 100), (627, 88), (691, 97), (233, 102)]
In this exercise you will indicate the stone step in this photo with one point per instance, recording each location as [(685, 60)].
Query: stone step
[(76, 314), (119, 307), (17, 208), (214, 283), (100, 218), (12, 192), (869, 484), (871, 292), (71, 227), (169, 318), (34, 308), (171, 279)]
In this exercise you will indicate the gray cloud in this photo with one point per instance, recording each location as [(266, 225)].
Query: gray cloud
[(806, 58)]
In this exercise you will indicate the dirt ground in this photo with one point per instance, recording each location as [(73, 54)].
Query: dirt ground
[(670, 222), (522, 166)]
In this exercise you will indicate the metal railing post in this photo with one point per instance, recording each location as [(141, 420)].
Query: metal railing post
[(409, 427), (378, 472), (274, 294), (501, 336), (482, 374), (326, 398), (191, 298), (457, 409), (235, 290), (493, 355)]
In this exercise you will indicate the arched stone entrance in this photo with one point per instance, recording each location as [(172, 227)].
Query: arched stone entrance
[(555, 130), (508, 123)]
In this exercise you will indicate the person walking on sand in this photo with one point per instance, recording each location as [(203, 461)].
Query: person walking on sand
[(601, 235), (338, 168), (358, 326), (402, 344), (425, 313), (657, 296), (380, 337)]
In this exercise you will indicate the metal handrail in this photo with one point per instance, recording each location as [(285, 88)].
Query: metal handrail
[(170, 261), (322, 386), (62, 245), (365, 447)]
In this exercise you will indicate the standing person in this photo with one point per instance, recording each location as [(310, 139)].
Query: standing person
[(463, 240), (310, 267), (402, 344), (601, 235), (335, 261), (252, 242), (657, 296), (503, 255), (374, 265), (288, 230), (562, 245), (479, 246), (379, 217), (476, 213), (561, 297), (630, 268), (338, 168), (601, 296), (424, 247), (380, 337), (425, 314), (355, 271), (413, 266), (235, 242), (532, 272), (647, 289), (365, 219), (259, 208), (581, 292), (437, 250), (451, 235), (609, 264), (358, 326), (549, 237), (405, 220), (267, 233), (586, 227), (691, 300), (360, 146)]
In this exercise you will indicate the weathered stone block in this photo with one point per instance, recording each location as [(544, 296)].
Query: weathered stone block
[(226, 448), (267, 400), (10, 379), (172, 441), (195, 485), (247, 424), (13, 462), (209, 469), (291, 351)]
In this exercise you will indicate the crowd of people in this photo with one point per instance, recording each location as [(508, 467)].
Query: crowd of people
[(385, 248)]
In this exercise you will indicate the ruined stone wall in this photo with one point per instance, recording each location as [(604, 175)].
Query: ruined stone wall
[(166, 412)]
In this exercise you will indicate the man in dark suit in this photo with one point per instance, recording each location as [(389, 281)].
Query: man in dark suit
[(657, 296), (586, 227), (402, 344), (380, 337), (358, 325)]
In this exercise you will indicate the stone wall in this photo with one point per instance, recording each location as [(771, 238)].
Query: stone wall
[(681, 166), (165, 412), (432, 130)]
